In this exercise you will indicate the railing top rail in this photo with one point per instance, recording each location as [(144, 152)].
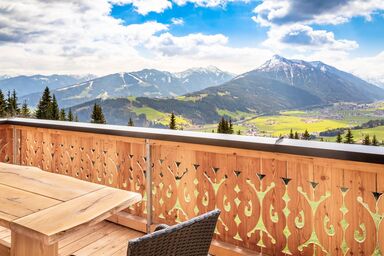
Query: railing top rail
[(361, 153)]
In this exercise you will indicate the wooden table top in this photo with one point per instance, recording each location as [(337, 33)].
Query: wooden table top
[(49, 206)]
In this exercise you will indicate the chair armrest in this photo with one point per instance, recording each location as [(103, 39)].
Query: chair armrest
[(161, 226)]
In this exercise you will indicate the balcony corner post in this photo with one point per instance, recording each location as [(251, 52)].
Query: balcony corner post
[(15, 144), (148, 184)]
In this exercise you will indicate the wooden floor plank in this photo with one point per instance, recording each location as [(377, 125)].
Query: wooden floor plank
[(109, 244), (4, 232), (105, 238), (80, 234), (117, 243), (88, 240)]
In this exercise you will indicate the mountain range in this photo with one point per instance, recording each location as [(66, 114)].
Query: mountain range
[(148, 82), (276, 85), (25, 85)]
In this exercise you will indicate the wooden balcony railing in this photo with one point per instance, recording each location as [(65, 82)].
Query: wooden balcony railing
[(284, 198)]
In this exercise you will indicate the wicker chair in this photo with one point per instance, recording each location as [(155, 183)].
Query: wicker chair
[(190, 238)]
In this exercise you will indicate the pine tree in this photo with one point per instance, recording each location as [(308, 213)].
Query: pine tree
[(11, 104), (130, 122), (349, 137), (44, 108), (97, 115), (230, 127), (55, 109), (3, 105), (366, 140), (70, 115), (172, 122), (25, 110), (306, 135), (220, 126), (375, 142), (63, 116), (339, 139), (76, 118), (238, 132), (15, 104), (291, 135), (296, 136)]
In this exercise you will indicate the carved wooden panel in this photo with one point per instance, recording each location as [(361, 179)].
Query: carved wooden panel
[(273, 203), (6, 144), (109, 160)]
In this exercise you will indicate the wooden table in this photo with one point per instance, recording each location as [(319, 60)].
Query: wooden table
[(41, 208)]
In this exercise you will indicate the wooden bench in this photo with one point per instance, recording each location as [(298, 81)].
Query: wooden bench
[(104, 238)]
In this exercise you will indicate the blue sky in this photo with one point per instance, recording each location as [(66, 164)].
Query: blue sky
[(108, 36), (235, 21)]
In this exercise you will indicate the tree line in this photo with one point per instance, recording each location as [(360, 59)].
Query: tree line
[(47, 108), (347, 139), (9, 106)]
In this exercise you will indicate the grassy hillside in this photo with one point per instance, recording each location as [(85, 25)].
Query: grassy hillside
[(282, 124)]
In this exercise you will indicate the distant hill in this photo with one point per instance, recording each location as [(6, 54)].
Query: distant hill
[(147, 82), (2, 77), (241, 95), (278, 84), (31, 84)]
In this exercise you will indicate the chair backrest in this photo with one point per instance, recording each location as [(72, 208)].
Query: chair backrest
[(189, 238)]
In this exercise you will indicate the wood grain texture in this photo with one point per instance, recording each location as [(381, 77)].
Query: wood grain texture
[(88, 240), (281, 204), (249, 189), (53, 223), (16, 203), (47, 184), (26, 246)]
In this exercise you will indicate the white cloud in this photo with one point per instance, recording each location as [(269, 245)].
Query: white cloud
[(314, 12), (169, 45), (146, 6), (80, 36), (306, 38), (207, 3), (177, 21)]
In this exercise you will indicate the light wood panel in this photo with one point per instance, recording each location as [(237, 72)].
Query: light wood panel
[(53, 223), (33, 180), (16, 203), (91, 239), (23, 245)]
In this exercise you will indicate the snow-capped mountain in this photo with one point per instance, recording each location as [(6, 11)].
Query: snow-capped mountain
[(322, 80), (30, 84), (147, 82), (278, 84)]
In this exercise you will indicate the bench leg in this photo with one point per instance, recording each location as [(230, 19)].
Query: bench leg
[(4, 250), (22, 245)]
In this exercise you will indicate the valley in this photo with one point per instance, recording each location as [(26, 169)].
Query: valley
[(280, 95)]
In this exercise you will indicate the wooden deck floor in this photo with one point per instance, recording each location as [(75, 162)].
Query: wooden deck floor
[(104, 238)]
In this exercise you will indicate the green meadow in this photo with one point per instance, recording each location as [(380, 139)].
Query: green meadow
[(282, 124)]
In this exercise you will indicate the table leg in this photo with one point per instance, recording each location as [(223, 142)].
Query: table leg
[(22, 245)]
